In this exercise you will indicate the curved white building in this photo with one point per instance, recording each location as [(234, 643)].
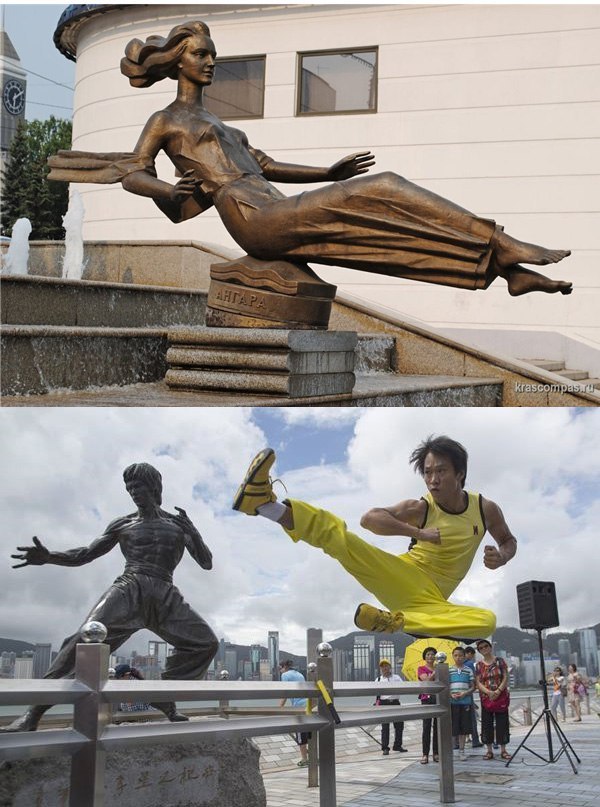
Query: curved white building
[(493, 106)]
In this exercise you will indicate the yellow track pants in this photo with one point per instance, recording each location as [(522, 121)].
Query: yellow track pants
[(394, 579)]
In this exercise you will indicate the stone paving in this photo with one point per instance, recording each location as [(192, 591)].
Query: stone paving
[(372, 780)]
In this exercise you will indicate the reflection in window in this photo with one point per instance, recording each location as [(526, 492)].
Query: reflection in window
[(345, 81), (238, 88)]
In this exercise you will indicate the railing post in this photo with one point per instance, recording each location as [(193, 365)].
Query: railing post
[(90, 716), (442, 676), (224, 704), (314, 637), (527, 716), (327, 795)]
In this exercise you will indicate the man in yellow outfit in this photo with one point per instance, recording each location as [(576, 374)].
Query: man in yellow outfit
[(445, 526)]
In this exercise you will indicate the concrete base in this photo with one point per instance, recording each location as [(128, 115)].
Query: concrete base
[(297, 364), (199, 775)]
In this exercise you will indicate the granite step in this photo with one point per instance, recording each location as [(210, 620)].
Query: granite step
[(37, 359), (373, 389), (30, 300), (296, 363)]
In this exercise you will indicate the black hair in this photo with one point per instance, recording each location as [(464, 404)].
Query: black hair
[(445, 447), (469, 649), (428, 650)]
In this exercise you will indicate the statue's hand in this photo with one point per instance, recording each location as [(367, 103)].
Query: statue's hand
[(35, 555), (183, 519), (351, 166), (185, 187)]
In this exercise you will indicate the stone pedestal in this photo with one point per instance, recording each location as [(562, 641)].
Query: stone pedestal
[(210, 774), (249, 293), (296, 364)]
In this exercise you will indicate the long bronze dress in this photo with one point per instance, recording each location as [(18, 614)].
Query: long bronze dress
[(380, 223)]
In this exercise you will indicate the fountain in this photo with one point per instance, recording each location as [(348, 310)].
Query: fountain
[(73, 224), (17, 256)]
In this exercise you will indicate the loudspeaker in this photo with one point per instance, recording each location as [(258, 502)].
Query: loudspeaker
[(537, 605)]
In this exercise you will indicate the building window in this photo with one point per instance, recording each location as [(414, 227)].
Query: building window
[(238, 88), (332, 82)]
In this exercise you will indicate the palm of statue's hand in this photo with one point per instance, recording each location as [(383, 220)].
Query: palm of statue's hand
[(35, 555), (351, 166)]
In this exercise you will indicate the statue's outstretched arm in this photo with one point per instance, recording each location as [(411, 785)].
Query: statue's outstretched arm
[(347, 167), (193, 540), (38, 554)]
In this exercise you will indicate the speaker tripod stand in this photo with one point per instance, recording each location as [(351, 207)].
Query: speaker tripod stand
[(550, 723)]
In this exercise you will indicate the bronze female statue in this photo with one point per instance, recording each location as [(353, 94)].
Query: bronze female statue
[(381, 223)]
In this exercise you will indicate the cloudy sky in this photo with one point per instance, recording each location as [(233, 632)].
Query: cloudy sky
[(61, 480)]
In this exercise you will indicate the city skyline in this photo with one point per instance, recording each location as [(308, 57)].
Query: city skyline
[(356, 657)]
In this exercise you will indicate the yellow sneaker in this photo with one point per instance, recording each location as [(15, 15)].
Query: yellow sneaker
[(256, 489), (372, 619)]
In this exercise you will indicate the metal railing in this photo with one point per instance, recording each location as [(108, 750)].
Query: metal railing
[(92, 736)]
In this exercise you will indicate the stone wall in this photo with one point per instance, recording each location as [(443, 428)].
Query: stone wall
[(210, 774)]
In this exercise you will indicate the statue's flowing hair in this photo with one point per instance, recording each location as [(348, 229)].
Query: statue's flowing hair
[(147, 62)]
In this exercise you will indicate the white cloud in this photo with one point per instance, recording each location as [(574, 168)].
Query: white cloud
[(60, 479)]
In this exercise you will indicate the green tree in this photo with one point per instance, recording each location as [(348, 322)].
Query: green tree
[(27, 193)]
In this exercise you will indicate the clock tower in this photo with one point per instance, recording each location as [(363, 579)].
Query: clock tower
[(12, 101)]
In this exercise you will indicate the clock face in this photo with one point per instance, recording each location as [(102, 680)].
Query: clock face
[(13, 96)]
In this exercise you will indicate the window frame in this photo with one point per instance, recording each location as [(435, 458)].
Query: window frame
[(332, 51), (246, 58)]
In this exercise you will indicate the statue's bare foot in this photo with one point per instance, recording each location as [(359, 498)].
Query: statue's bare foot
[(511, 251), (27, 722), (522, 281)]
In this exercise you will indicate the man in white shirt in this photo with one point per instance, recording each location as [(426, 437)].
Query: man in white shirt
[(386, 677)]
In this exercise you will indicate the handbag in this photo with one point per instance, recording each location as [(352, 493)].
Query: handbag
[(500, 704)]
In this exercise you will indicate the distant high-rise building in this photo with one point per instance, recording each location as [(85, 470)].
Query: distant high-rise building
[(231, 661), (387, 650), (314, 637), (588, 650), (41, 659), (564, 651), (362, 662), (23, 667), (342, 665), (264, 670), (7, 664), (364, 659), (273, 648), (159, 650), (255, 654)]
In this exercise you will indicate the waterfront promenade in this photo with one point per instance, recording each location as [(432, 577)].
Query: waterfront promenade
[(399, 780)]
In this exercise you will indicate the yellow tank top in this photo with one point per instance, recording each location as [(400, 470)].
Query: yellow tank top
[(461, 533)]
